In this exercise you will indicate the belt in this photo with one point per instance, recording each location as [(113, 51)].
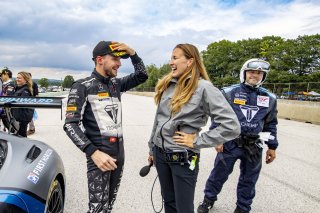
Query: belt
[(190, 153)]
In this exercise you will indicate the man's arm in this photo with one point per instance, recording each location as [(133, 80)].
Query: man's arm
[(76, 104), (134, 79), (10, 89), (270, 125)]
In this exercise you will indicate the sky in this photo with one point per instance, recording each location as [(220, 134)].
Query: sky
[(55, 38)]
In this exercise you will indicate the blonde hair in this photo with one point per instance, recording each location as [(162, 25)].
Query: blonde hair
[(28, 79), (187, 82)]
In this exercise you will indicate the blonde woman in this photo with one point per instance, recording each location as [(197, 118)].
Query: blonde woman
[(23, 115), (186, 99)]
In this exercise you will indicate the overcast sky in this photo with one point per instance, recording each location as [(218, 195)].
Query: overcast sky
[(55, 38)]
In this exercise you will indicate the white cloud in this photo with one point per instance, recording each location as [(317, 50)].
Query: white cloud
[(60, 35), (50, 73)]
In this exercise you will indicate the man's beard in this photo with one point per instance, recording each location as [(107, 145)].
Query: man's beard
[(109, 73)]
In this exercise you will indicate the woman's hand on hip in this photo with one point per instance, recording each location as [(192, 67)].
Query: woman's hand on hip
[(184, 139)]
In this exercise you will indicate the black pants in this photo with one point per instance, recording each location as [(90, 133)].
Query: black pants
[(177, 182), (103, 186), (23, 128)]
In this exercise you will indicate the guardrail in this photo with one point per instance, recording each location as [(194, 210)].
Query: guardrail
[(292, 91), (304, 111)]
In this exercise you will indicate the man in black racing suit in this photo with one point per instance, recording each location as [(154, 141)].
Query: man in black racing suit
[(94, 120)]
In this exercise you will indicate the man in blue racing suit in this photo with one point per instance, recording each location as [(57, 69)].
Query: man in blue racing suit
[(256, 109), (94, 120)]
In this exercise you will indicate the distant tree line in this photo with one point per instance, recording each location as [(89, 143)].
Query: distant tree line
[(292, 60), (66, 83)]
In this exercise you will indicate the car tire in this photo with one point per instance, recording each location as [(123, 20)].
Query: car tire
[(55, 198)]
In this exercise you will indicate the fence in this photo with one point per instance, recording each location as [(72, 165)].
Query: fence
[(295, 91), (292, 91)]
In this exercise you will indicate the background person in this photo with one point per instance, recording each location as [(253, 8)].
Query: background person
[(256, 109), (32, 127), (23, 115), (7, 89), (8, 86), (186, 98), (95, 103)]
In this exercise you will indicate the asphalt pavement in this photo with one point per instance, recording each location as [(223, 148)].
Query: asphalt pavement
[(289, 184)]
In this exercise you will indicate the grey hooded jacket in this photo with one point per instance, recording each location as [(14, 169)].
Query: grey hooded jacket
[(206, 101)]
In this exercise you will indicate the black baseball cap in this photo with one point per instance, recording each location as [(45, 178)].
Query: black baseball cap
[(105, 48)]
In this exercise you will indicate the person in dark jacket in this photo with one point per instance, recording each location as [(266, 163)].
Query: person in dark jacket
[(186, 99), (8, 86), (35, 89), (23, 115), (95, 103), (256, 109), (8, 89)]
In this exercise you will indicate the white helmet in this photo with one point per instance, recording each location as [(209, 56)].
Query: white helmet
[(255, 64)]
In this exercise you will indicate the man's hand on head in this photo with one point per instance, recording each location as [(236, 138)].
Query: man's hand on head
[(123, 47)]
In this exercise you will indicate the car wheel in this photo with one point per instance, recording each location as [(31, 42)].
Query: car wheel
[(55, 198)]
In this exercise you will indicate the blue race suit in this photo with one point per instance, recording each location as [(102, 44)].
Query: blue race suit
[(256, 109)]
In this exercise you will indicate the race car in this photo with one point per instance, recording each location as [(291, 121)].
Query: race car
[(32, 176)]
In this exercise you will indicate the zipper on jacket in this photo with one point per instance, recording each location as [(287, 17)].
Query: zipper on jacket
[(162, 138)]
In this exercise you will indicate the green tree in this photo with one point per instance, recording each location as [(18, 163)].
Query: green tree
[(217, 58), (67, 82), (155, 74), (164, 69), (43, 82), (301, 55), (314, 77), (292, 60)]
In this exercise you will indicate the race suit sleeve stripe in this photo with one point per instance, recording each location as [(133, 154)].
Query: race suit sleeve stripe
[(138, 77), (270, 125), (75, 108)]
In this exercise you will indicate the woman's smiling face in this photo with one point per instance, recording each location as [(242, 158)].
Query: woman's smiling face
[(179, 63), (20, 80)]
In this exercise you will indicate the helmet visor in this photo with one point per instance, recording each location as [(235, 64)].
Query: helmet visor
[(258, 65)]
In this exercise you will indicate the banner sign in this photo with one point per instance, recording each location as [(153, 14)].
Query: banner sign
[(30, 102)]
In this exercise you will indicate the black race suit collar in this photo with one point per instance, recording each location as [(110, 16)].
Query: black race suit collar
[(99, 77)]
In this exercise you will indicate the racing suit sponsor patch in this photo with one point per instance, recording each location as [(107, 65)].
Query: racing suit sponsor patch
[(112, 110), (239, 101), (263, 101), (71, 101), (113, 139), (70, 115), (71, 108), (103, 95), (249, 111), (73, 91), (10, 89)]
